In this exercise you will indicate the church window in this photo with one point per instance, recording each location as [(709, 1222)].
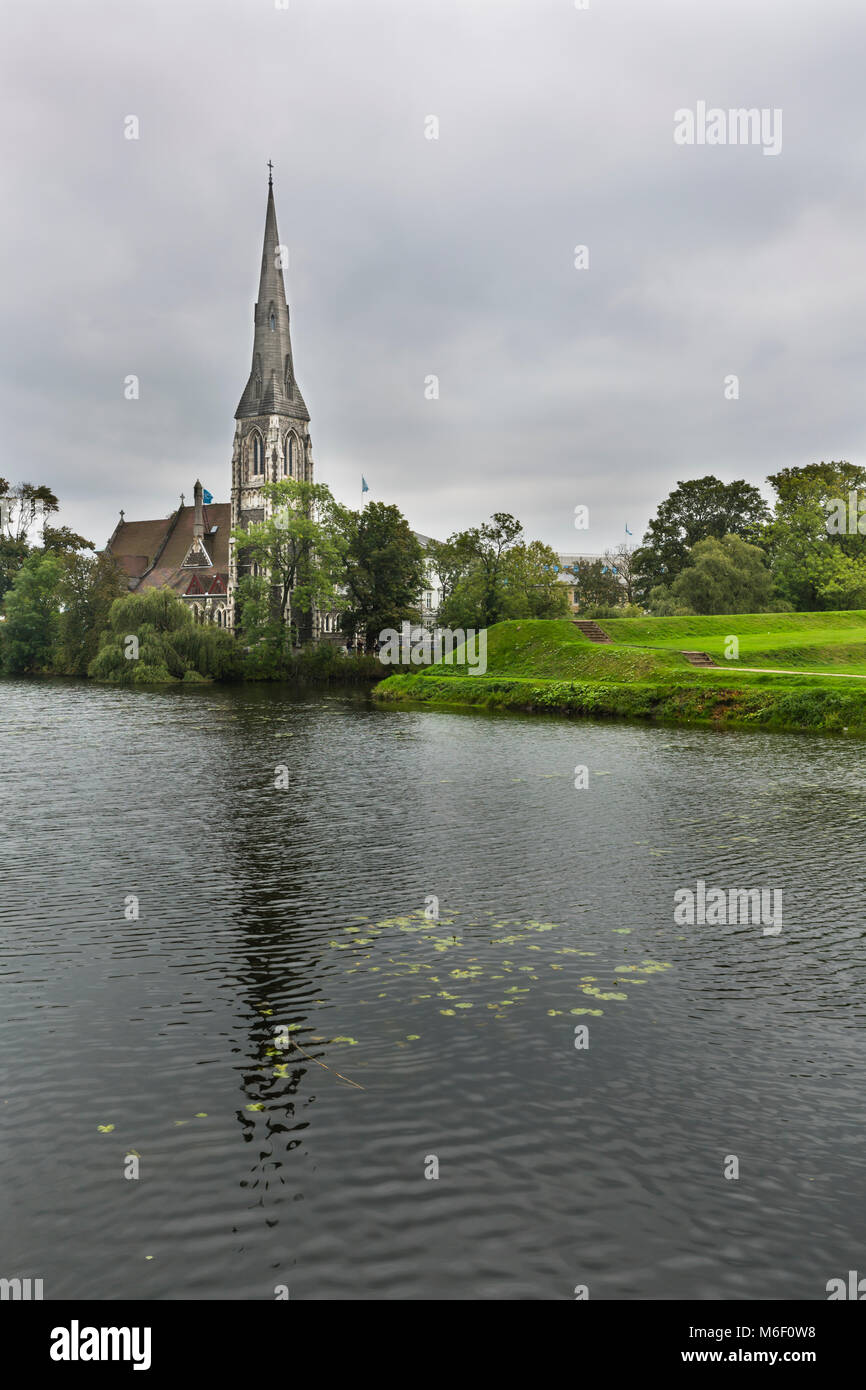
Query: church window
[(273, 320), (289, 457), (258, 455)]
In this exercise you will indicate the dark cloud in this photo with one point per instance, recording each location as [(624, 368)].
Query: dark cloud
[(453, 257)]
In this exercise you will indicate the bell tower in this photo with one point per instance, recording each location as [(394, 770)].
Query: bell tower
[(272, 429)]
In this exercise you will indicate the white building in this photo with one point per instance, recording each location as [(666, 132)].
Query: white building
[(569, 568)]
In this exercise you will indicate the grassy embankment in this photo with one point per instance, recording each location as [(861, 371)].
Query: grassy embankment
[(549, 665)]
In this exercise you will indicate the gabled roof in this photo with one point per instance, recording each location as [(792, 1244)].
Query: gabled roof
[(169, 541)]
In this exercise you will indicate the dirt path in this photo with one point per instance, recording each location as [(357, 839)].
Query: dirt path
[(782, 671)]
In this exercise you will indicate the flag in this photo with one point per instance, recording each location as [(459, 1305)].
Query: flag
[(207, 497), (627, 531), (364, 487)]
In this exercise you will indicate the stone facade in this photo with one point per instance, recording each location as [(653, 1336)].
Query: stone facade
[(272, 423)]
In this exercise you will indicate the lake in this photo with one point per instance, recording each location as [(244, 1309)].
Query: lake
[(272, 919)]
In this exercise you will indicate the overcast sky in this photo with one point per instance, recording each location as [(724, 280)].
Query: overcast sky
[(455, 257)]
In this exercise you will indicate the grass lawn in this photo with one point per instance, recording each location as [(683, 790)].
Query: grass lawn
[(834, 641), (535, 664)]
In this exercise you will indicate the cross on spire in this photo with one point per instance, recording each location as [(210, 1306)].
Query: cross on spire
[(270, 174)]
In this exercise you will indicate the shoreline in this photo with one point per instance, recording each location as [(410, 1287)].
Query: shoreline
[(807, 708)]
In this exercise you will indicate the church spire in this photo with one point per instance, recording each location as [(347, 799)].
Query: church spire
[(272, 389)]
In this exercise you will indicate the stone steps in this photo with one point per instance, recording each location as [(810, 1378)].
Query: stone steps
[(591, 630), (698, 658)]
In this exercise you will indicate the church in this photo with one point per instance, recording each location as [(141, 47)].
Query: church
[(191, 551)]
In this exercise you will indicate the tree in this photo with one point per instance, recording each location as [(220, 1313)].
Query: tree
[(621, 561), (16, 520), (29, 502), (383, 570), (694, 511), (597, 585), (153, 638), (532, 585), (814, 566), (724, 576), (30, 629), (298, 549), (452, 560), (89, 584), (63, 541), (479, 596)]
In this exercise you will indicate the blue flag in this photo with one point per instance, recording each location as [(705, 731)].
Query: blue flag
[(207, 497), (364, 487)]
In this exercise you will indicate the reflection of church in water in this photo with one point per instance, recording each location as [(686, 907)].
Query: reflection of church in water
[(190, 552)]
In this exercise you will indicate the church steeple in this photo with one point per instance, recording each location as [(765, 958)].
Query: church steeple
[(272, 389), (272, 431)]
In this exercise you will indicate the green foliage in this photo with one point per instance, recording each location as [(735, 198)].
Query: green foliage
[(813, 567), (695, 511), (489, 574), (14, 547), (13, 553), (171, 645), (532, 586), (30, 631), (626, 610), (383, 570), (597, 585), (62, 541), (816, 708), (265, 639), (89, 585), (723, 576), (298, 548)]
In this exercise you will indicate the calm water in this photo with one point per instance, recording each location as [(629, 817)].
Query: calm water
[(303, 909)]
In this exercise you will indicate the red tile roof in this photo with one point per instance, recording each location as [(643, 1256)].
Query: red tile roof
[(153, 552)]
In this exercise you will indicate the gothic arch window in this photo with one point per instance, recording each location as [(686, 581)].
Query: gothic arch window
[(290, 455), (257, 456), (272, 320)]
